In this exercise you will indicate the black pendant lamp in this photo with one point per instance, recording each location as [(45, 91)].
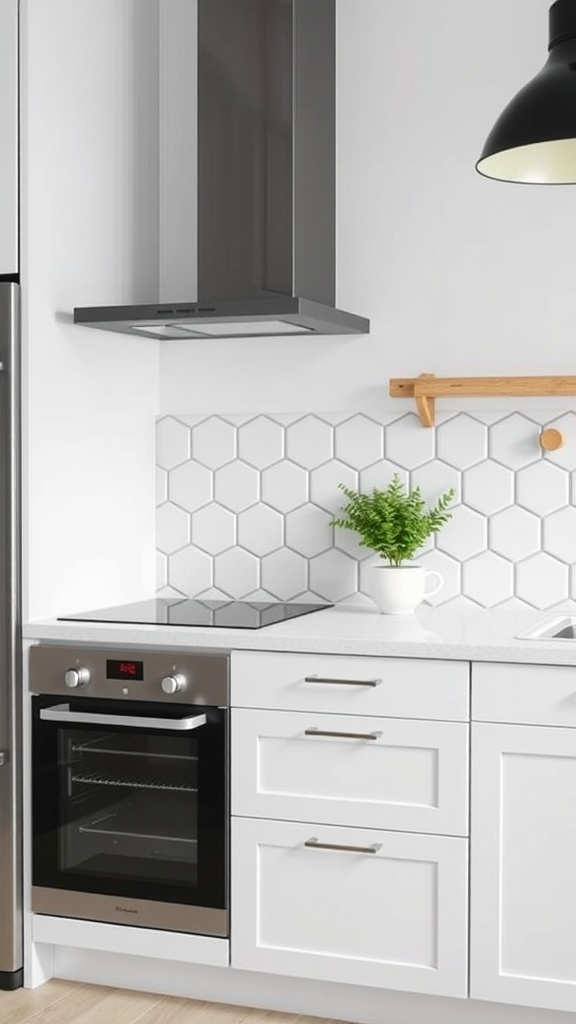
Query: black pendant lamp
[(534, 139)]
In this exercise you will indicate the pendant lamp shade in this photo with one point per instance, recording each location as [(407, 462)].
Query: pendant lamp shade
[(534, 139)]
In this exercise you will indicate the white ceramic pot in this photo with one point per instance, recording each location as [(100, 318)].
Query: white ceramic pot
[(398, 590)]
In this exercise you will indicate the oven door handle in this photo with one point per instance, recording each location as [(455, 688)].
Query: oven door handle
[(62, 713)]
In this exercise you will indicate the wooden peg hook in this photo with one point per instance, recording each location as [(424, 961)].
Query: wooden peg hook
[(425, 405), (552, 439)]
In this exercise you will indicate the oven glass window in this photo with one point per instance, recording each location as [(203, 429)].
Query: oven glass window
[(139, 812), (131, 806)]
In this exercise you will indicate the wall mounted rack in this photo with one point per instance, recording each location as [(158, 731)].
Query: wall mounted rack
[(427, 387)]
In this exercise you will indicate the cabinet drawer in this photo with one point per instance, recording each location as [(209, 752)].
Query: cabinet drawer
[(383, 909), (363, 772), (395, 687), (525, 694)]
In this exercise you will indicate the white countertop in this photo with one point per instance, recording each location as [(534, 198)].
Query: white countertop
[(453, 633)]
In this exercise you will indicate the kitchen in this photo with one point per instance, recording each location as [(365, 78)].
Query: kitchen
[(443, 263)]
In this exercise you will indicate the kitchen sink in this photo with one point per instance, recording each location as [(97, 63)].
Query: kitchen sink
[(561, 627)]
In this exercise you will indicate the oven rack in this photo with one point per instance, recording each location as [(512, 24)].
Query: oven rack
[(94, 748), (97, 779), (131, 834), (143, 818)]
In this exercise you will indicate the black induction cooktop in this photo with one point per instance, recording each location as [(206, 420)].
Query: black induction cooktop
[(161, 611)]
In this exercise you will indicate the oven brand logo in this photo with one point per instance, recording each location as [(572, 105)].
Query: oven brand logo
[(126, 910)]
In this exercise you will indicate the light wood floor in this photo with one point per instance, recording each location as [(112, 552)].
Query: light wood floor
[(63, 1002)]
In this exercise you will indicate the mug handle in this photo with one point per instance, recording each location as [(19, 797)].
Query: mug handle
[(439, 583)]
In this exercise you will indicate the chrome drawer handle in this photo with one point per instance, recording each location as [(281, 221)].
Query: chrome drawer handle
[(343, 735), (342, 682), (315, 844)]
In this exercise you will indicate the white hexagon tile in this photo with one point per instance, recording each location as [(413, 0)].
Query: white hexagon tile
[(309, 442), (359, 441), (464, 535), (512, 444), (308, 531), (284, 486), (515, 533), (214, 442), (213, 528), (245, 504), (462, 442), (261, 442), (172, 443)]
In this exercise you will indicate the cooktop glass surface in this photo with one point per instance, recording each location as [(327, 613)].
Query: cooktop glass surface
[(161, 611)]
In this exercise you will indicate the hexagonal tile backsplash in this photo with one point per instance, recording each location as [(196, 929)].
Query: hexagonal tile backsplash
[(245, 503)]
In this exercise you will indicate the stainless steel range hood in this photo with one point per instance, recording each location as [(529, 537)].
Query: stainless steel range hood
[(266, 181)]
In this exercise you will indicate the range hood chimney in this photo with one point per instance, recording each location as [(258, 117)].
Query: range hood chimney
[(266, 181)]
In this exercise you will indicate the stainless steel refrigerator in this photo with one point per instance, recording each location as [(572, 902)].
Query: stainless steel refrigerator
[(10, 642)]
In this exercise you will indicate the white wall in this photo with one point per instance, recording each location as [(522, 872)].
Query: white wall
[(459, 275), (89, 237)]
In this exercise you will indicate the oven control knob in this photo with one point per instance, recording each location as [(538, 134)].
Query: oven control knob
[(76, 677), (174, 683)]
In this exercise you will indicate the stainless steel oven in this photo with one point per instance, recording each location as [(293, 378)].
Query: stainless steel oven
[(130, 786)]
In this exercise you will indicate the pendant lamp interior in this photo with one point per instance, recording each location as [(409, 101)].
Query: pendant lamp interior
[(534, 139)]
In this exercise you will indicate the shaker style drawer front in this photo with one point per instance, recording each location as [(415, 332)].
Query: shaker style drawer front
[(362, 772), (339, 684), (524, 694), (357, 906)]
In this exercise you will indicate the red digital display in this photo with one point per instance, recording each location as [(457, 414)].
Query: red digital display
[(123, 669)]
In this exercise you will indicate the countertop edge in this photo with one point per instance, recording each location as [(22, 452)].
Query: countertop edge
[(483, 636)]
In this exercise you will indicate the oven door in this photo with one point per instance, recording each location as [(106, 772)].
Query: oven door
[(130, 813)]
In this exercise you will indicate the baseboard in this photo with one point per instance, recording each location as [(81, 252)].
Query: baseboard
[(290, 995)]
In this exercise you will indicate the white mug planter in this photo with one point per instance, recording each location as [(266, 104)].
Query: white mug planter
[(399, 589)]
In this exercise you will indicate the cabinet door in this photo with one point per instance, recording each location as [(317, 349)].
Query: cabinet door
[(523, 865), (382, 909), (386, 773), (9, 136)]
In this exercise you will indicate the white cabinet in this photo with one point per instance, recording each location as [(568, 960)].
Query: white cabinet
[(341, 684), (523, 843), (343, 768), (383, 909), (524, 694), (9, 136), (392, 773)]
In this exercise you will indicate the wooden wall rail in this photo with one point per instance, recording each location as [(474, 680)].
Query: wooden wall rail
[(427, 387)]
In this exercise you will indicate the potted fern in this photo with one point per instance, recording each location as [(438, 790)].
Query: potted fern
[(395, 524)]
